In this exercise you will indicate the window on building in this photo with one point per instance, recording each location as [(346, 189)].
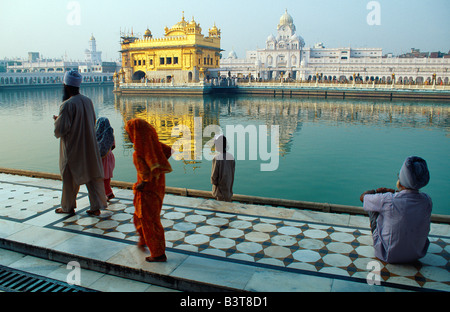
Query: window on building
[(135, 63), (175, 60), (139, 62), (169, 60), (151, 62), (143, 62), (161, 61)]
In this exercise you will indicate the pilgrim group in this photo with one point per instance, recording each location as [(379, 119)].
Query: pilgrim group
[(399, 219)]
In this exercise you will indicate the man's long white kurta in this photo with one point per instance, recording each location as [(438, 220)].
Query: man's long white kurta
[(79, 151)]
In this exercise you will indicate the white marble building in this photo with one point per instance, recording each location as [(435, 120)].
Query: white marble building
[(92, 56), (37, 71), (283, 54), (232, 66), (286, 56)]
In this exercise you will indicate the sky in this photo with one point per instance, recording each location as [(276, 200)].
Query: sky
[(58, 28)]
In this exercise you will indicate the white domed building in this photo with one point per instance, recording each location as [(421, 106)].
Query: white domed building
[(286, 56), (282, 55), (280, 58), (235, 67), (232, 55)]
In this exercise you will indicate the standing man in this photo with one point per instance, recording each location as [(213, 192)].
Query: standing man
[(79, 158)]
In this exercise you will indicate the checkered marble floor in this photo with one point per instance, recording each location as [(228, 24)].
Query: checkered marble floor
[(318, 248)]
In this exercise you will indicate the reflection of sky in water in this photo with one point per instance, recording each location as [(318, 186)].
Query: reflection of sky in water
[(330, 150)]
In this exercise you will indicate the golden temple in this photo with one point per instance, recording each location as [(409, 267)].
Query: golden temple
[(183, 55)]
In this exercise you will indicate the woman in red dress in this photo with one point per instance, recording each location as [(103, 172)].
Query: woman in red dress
[(151, 161)]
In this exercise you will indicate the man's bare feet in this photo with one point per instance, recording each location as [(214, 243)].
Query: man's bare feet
[(93, 212), (60, 210)]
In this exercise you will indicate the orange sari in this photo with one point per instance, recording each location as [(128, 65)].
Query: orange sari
[(150, 159)]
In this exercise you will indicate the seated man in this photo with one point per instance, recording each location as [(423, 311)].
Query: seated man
[(400, 221)]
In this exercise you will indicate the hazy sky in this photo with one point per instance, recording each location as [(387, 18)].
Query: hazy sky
[(63, 27)]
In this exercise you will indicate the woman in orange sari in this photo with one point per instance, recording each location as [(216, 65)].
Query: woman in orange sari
[(151, 161)]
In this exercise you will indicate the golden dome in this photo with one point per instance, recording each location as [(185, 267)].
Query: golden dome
[(214, 27), (192, 23), (179, 29), (214, 31), (148, 33), (193, 27), (181, 24)]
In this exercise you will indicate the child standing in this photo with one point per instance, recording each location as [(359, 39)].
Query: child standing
[(400, 221), (106, 143), (222, 172)]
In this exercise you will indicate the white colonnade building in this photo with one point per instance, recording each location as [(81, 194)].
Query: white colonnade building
[(286, 56)]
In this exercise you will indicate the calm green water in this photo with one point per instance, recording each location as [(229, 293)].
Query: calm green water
[(329, 151)]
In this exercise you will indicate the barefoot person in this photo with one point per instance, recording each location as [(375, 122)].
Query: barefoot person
[(106, 144), (150, 158), (79, 157), (400, 221)]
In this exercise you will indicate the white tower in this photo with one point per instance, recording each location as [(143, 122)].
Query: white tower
[(92, 56), (282, 56)]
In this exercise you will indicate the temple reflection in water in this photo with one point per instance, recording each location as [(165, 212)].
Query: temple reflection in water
[(169, 113), (359, 143)]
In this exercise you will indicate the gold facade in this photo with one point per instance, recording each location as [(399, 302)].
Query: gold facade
[(183, 55), (171, 116)]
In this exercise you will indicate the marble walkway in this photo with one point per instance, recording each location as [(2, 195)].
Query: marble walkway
[(214, 246)]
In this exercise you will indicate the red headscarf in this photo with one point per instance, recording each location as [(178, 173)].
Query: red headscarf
[(147, 146)]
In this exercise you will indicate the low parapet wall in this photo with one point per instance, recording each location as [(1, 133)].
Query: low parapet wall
[(343, 91), (286, 203)]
